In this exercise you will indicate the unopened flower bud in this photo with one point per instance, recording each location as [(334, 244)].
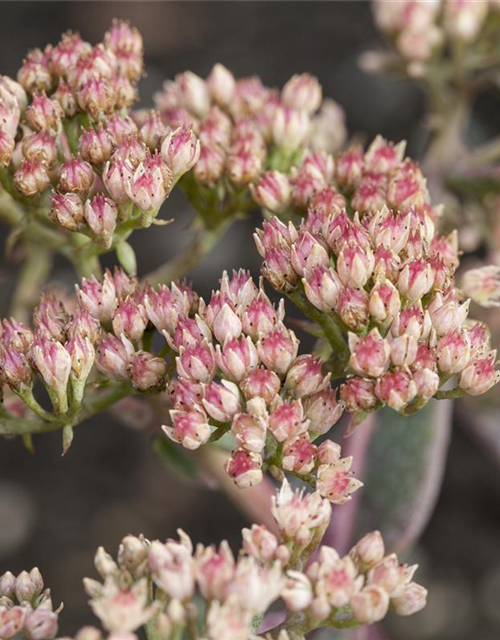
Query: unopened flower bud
[(272, 191), (409, 600), (40, 146), (221, 85), (480, 375), (416, 279), (41, 624), (396, 389), (190, 428), (299, 455), (370, 604), (104, 563), (67, 210), (369, 355), (453, 351), (260, 543), (130, 320), (403, 350), (261, 383), (302, 92), (352, 307), (96, 146), (322, 410), (101, 215), (288, 421), (369, 550), (180, 150), (32, 178), (7, 145), (44, 114), (114, 356), (54, 364), (278, 349), (245, 468), (290, 127), (483, 285), (97, 97), (385, 302), (210, 165), (76, 176), (221, 401), (305, 377), (249, 432)]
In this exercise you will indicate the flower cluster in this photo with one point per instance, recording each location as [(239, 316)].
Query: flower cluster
[(65, 126), (160, 585), (245, 126), (423, 30), (26, 607), (367, 256), (238, 371)]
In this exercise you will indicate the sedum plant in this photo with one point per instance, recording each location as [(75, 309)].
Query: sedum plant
[(350, 236)]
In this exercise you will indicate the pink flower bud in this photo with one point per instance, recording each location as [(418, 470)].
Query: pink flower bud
[(147, 372), (272, 191), (385, 302), (196, 362), (165, 306), (409, 600), (50, 318), (447, 315), (114, 356), (290, 127), (237, 357), (31, 178), (305, 377), (463, 22), (7, 145), (14, 368), (358, 394), (180, 150), (44, 114), (190, 332), (355, 265), (307, 254), (149, 185), (130, 150), (216, 128), (41, 624), (193, 93), (261, 383), (369, 550), (390, 231), (153, 131), (215, 571), (480, 375), (65, 96), (82, 353), (130, 320), (370, 193), (245, 468), (76, 176), (96, 97), (427, 382), (453, 351), (415, 280), (67, 210), (53, 362), (299, 455), (302, 92), (413, 321), (34, 75), (221, 401), (278, 349), (101, 215), (116, 176), (288, 420), (404, 350), (16, 334), (226, 324), (98, 298), (12, 621), (120, 127), (40, 146), (243, 167), (322, 287), (298, 592), (352, 307), (396, 389), (260, 316), (122, 37), (210, 165), (259, 543), (221, 85), (190, 428), (483, 285), (172, 567), (8, 583), (322, 410), (387, 264), (369, 355), (249, 432), (12, 92), (370, 604)]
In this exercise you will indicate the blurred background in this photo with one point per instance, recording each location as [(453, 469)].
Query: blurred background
[(55, 511)]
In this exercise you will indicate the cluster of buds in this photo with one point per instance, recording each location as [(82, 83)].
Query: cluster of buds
[(26, 607), (66, 341), (65, 126), (368, 257), (172, 586), (245, 126), (239, 372), (425, 31)]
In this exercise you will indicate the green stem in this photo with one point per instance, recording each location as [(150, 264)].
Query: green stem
[(332, 331), (449, 394), (34, 273)]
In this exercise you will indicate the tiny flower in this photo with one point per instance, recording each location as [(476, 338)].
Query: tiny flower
[(32, 178), (385, 302), (40, 146), (453, 351), (53, 362), (98, 298), (415, 280), (221, 401), (101, 215), (355, 265), (44, 114), (352, 307), (196, 362), (299, 455), (307, 254), (358, 394), (96, 146), (180, 150), (193, 93), (335, 481), (261, 383), (370, 604), (249, 432), (272, 191), (97, 97), (369, 355), (243, 167), (447, 315), (278, 349), (260, 317), (221, 85), (409, 600), (302, 92), (287, 420), (190, 428), (245, 468), (305, 377), (369, 550), (41, 624), (427, 382), (76, 176), (404, 350), (130, 320), (396, 389), (122, 610), (12, 621), (82, 354), (237, 357), (147, 372), (322, 410), (115, 177), (214, 571), (210, 165), (149, 185), (226, 324), (114, 356), (322, 287), (14, 368), (290, 127), (153, 131), (259, 543), (483, 285), (7, 145), (480, 375), (297, 593)]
